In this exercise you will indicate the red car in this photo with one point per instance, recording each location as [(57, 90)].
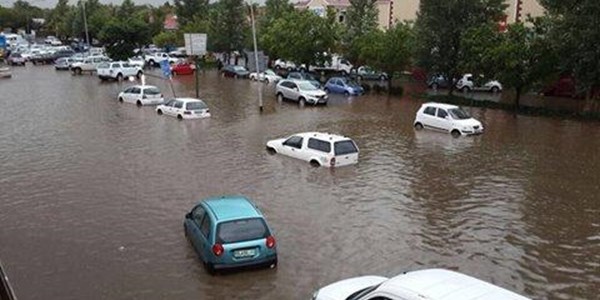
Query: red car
[(565, 86), (183, 68)]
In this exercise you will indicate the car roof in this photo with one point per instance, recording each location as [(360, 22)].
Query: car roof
[(324, 136), (440, 105), (143, 86), (440, 284), (189, 100), (227, 208)]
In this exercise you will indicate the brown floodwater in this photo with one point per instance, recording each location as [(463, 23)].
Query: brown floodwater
[(93, 193)]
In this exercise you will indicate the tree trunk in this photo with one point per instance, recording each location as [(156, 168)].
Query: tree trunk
[(389, 85), (519, 90)]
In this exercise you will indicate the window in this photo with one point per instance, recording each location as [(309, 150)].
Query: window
[(429, 111), (295, 76), (151, 91), (103, 66), (128, 91), (459, 114), (319, 145), (242, 230), (178, 104), (136, 90), (345, 147), (441, 113), (295, 142), (380, 298), (170, 103), (205, 227), (195, 106), (116, 66), (197, 214), (126, 65)]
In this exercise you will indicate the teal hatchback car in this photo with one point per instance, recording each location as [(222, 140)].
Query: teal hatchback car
[(230, 232)]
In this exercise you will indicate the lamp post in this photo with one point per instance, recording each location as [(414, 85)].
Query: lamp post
[(260, 100), (87, 36)]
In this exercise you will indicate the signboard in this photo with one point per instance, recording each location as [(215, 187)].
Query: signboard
[(2, 45), (195, 43), (263, 61), (165, 68)]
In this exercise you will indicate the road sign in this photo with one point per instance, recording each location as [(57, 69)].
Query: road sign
[(165, 68), (195, 43)]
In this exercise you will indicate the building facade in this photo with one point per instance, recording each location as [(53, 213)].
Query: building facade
[(319, 7)]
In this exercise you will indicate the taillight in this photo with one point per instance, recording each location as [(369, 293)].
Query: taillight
[(270, 241), (187, 112), (332, 162), (217, 249)]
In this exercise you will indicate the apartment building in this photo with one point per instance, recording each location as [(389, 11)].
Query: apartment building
[(319, 7)]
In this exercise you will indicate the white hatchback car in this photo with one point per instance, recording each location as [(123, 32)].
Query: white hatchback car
[(320, 149), (141, 95), (300, 90), (447, 118), (267, 76), (431, 284), (184, 108)]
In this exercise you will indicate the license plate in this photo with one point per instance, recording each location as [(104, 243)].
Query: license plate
[(199, 112), (244, 253)]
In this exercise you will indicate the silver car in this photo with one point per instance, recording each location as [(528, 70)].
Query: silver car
[(300, 90)]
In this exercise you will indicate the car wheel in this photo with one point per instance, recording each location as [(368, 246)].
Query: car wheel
[(315, 163), (235, 76), (139, 103), (455, 133), (465, 89), (139, 74), (495, 89), (267, 80), (121, 99), (344, 73), (151, 62), (273, 264), (119, 77), (418, 126), (271, 150), (210, 268), (78, 71), (301, 102), (359, 78), (279, 97), (382, 78), (179, 117), (346, 94), (435, 86), (159, 112)]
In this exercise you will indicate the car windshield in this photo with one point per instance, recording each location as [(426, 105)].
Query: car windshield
[(459, 114), (196, 105), (345, 147), (309, 77), (242, 230), (239, 68), (151, 91), (362, 292), (306, 86), (103, 65)]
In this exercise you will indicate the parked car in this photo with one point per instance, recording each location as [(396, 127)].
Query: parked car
[(267, 76), (118, 70), (304, 76), (319, 149), (141, 95), (42, 58), (341, 85), (230, 232), (64, 63), (430, 284), (154, 59), (301, 91), (15, 59), (137, 61), (285, 65), (467, 84), (447, 118), (183, 68), (366, 73), (234, 71), (88, 64), (184, 108), (437, 81), (63, 53)]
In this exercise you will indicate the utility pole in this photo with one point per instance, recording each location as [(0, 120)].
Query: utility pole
[(87, 36), (260, 100)]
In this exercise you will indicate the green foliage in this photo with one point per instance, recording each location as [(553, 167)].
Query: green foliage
[(122, 36), (274, 9), (20, 15), (168, 38), (361, 17), (228, 25), (441, 25), (187, 10)]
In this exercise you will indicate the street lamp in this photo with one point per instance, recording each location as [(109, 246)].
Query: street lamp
[(260, 100), (87, 36)]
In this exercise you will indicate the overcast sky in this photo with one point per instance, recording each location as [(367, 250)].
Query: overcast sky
[(52, 3)]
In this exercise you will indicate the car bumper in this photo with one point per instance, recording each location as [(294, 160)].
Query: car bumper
[(153, 101), (266, 262), (472, 132), (317, 101), (196, 116)]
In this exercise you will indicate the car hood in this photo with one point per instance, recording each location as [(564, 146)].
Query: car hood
[(468, 122), (275, 143), (343, 289), (315, 93)]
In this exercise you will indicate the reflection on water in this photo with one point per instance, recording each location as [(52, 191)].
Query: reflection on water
[(94, 193)]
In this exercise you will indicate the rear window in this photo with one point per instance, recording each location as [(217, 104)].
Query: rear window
[(195, 106), (151, 91), (345, 147), (242, 230), (319, 145)]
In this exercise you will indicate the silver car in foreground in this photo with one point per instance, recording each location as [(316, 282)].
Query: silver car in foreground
[(301, 91)]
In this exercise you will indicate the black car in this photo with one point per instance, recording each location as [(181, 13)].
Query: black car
[(234, 71), (437, 81)]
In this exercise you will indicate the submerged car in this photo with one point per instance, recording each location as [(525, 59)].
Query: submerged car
[(16, 59), (184, 108), (430, 284), (234, 71), (366, 73), (319, 149), (341, 85), (301, 91), (468, 83), (447, 118), (141, 95), (183, 68), (230, 232), (267, 76), (304, 76)]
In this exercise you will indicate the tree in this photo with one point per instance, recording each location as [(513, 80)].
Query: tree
[(228, 24), (57, 23), (361, 18), (519, 58), (122, 36), (187, 10), (126, 10), (389, 51), (275, 9), (441, 25), (168, 38)]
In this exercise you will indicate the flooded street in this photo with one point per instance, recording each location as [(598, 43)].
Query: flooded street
[(94, 192)]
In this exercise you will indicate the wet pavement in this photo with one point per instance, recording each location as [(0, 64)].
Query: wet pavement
[(93, 193)]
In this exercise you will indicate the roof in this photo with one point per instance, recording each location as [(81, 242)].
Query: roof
[(441, 105), (440, 284), (324, 136), (143, 86), (232, 207), (189, 100)]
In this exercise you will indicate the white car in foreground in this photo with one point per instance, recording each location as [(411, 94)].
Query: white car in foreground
[(184, 108), (319, 149), (267, 76), (141, 95), (431, 284), (447, 118)]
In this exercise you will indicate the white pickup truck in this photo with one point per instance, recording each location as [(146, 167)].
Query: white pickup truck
[(88, 64), (156, 58), (118, 70), (337, 64)]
